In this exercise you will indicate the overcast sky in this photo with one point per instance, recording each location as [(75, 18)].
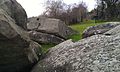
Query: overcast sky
[(36, 7)]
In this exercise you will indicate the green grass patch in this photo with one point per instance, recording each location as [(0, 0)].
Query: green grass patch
[(75, 37), (46, 47), (80, 28)]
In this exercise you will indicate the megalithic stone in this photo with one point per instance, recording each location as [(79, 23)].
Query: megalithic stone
[(17, 51)]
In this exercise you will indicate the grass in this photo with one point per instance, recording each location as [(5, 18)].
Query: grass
[(80, 27), (46, 47)]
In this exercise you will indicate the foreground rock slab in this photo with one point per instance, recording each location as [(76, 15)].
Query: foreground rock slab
[(99, 53)]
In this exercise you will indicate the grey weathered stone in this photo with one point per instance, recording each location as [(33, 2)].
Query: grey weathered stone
[(17, 51), (45, 38), (113, 31), (99, 29), (15, 11), (98, 53), (50, 26)]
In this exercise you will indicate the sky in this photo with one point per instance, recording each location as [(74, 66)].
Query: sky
[(36, 7)]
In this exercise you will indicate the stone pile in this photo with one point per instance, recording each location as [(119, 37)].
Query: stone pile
[(48, 30), (98, 53)]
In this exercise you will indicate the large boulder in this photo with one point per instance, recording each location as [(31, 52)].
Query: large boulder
[(50, 26), (99, 29), (15, 11), (17, 51), (45, 38), (98, 53), (113, 31)]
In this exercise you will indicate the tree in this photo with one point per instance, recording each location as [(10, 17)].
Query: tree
[(108, 9), (72, 13), (54, 8)]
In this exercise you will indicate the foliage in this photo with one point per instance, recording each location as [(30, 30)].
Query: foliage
[(108, 9)]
